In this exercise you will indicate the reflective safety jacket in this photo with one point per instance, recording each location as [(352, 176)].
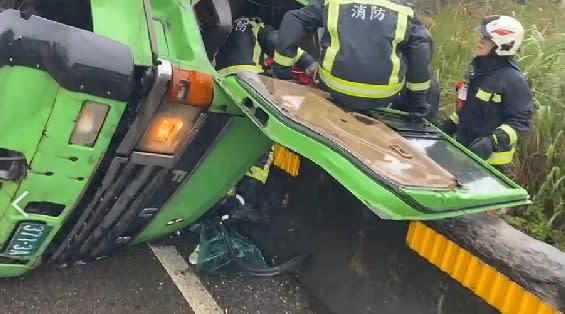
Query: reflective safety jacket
[(498, 104), (370, 48), (246, 45)]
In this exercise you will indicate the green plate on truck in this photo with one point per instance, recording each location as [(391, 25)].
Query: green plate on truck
[(27, 239)]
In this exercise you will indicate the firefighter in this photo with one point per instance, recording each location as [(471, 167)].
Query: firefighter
[(495, 101), (243, 50), (378, 47), (246, 46)]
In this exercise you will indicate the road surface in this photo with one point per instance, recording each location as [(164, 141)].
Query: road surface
[(147, 279)]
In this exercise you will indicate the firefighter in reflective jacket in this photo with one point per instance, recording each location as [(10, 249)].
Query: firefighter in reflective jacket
[(495, 104), (244, 50), (245, 47), (370, 50)]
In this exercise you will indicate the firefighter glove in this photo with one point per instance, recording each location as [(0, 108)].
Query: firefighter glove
[(449, 127), (307, 64), (282, 72), (482, 147), (250, 188), (501, 140)]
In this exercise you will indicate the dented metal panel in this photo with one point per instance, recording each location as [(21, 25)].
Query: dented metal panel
[(384, 151)]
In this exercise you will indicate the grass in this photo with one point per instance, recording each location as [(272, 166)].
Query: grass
[(540, 163)]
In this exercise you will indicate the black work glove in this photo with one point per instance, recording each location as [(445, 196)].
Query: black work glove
[(282, 72), (250, 189), (306, 62), (482, 147), (248, 204), (416, 105), (502, 143), (449, 127)]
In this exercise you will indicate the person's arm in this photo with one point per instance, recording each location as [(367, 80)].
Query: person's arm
[(449, 125), (517, 108), (433, 98), (296, 24), (267, 38), (418, 50)]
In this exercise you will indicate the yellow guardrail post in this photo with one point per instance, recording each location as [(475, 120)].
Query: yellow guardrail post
[(484, 280)]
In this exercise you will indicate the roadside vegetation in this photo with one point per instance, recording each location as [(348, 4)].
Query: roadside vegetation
[(540, 166)]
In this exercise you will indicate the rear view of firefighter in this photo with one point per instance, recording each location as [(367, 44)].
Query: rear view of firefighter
[(370, 50), (494, 104), (248, 42)]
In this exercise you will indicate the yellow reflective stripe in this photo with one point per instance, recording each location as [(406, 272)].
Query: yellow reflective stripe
[(454, 117), (261, 174), (270, 160), (287, 61), (299, 54), (501, 158), (483, 95), (257, 48), (258, 174), (242, 67), (331, 51), (512, 135), (418, 87), (358, 89), (399, 34), (486, 96), (283, 60)]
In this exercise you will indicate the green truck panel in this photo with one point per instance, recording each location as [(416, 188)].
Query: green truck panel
[(226, 162), (177, 32), (134, 33), (59, 172)]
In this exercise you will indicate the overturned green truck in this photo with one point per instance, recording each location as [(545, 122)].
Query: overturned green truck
[(118, 130)]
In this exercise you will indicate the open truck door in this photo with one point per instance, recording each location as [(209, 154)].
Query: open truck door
[(401, 170)]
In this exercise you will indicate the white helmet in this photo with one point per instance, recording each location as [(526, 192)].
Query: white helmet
[(505, 31)]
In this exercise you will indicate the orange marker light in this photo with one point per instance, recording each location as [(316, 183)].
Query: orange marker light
[(167, 128), (191, 88)]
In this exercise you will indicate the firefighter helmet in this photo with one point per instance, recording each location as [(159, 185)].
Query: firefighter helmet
[(505, 31)]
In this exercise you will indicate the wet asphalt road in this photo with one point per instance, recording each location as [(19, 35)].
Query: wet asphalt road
[(133, 281)]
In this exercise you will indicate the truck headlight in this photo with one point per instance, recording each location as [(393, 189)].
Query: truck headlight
[(89, 123), (169, 127)]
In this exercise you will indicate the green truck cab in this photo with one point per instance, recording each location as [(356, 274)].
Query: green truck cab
[(118, 130)]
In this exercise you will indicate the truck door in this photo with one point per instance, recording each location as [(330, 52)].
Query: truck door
[(399, 169)]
